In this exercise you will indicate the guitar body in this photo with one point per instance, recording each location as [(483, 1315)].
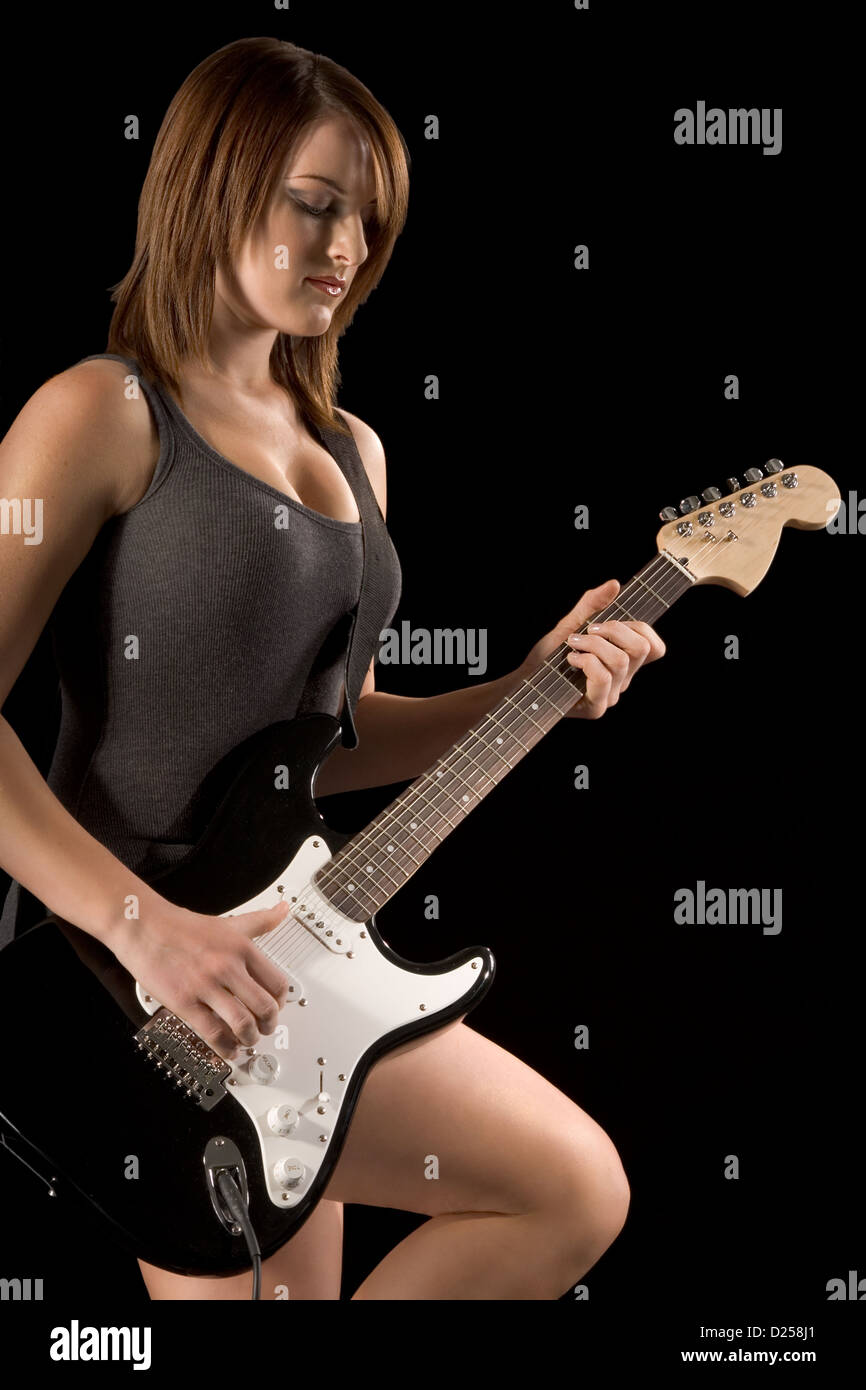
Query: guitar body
[(114, 1100)]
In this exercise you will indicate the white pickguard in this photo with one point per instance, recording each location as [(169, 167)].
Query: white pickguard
[(346, 997)]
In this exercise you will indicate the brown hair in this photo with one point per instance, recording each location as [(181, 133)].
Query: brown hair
[(217, 159)]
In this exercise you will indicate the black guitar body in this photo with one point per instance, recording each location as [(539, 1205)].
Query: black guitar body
[(81, 1103)]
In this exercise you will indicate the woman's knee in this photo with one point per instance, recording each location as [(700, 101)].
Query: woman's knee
[(588, 1199)]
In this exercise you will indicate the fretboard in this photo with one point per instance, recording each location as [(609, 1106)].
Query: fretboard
[(369, 869)]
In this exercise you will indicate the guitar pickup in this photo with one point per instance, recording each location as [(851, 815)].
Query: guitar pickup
[(323, 921)]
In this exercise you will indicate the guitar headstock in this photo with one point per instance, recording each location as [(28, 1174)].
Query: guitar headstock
[(731, 539)]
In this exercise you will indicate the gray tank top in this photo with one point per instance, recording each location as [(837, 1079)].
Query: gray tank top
[(214, 607)]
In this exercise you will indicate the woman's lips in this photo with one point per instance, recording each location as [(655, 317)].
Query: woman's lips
[(325, 286)]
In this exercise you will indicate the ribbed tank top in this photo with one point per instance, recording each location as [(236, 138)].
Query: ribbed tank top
[(213, 607)]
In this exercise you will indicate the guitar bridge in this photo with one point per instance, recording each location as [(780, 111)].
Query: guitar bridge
[(184, 1058)]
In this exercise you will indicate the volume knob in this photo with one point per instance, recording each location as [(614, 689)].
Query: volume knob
[(282, 1119), (264, 1068), (288, 1172)]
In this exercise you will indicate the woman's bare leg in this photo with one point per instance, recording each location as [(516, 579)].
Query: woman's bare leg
[(524, 1190), (308, 1266)]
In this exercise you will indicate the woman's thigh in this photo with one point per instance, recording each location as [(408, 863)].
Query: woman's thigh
[(455, 1123)]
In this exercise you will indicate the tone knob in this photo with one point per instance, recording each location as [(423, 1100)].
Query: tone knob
[(282, 1119), (773, 466), (669, 514), (264, 1068), (753, 475), (711, 494), (288, 1172), (689, 504), (732, 484)]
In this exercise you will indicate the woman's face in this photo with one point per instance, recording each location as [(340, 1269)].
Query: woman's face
[(315, 226)]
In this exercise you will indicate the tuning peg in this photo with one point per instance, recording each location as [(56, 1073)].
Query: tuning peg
[(773, 466), (753, 475), (689, 504), (669, 514), (732, 484), (711, 494)]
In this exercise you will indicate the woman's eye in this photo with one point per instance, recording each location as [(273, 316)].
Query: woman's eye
[(323, 212), (314, 212)]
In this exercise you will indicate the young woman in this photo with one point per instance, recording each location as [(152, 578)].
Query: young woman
[(184, 619)]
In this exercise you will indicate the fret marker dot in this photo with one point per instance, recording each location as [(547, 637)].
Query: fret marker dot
[(499, 740), (533, 705), (414, 825), (389, 848), (351, 887), (466, 798), (439, 773), (369, 868)]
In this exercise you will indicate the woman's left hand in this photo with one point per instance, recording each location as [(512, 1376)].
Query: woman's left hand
[(608, 658)]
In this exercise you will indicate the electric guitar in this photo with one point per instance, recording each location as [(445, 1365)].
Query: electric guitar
[(115, 1100)]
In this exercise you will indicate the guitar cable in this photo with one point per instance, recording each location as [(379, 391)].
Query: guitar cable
[(236, 1205)]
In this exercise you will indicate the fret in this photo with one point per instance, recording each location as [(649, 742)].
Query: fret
[(650, 588), (508, 700), (490, 779), (563, 678), (535, 705), (463, 783)]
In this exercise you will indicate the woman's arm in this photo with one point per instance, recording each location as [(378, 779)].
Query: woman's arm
[(400, 736), (77, 449), (60, 460)]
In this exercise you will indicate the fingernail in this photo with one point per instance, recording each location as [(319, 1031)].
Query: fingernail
[(595, 627)]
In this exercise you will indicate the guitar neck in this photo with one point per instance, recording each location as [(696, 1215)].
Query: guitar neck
[(369, 868)]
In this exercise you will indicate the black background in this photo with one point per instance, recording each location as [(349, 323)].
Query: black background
[(561, 387)]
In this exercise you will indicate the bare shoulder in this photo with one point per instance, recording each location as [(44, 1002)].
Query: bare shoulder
[(109, 430), (372, 455)]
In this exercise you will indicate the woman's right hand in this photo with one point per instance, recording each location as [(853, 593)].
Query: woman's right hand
[(206, 969)]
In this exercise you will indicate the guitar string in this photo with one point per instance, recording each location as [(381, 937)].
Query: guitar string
[(282, 952)]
